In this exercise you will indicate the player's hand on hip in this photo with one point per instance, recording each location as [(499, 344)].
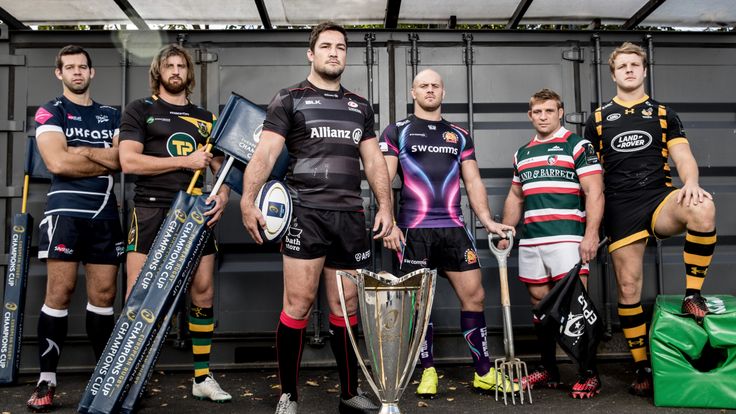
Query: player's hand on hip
[(252, 220), (199, 159), (589, 248), (218, 209), (692, 194), (395, 240), (384, 222)]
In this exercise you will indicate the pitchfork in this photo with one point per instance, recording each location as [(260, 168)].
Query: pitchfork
[(509, 366)]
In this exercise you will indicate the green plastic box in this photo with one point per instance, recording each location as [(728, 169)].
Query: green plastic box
[(694, 365)]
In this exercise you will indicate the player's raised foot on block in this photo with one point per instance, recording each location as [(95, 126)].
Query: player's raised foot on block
[(588, 385), (285, 405), (642, 385), (695, 306), (541, 377), (427, 387), (486, 384), (358, 404), (210, 390), (42, 399)]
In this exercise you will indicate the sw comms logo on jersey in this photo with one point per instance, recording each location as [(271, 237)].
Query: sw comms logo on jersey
[(631, 141), (180, 144), (449, 137)]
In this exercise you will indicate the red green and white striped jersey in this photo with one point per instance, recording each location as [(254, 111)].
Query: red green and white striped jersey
[(549, 175)]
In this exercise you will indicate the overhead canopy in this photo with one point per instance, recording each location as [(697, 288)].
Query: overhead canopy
[(145, 14)]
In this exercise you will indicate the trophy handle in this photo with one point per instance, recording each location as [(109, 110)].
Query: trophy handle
[(341, 291)]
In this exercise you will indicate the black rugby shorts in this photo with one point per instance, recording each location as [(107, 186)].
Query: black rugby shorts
[(83, 240), (630, 216), (339, 236), (449, 249), (145, 223)]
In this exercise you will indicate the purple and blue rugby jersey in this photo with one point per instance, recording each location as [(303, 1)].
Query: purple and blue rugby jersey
[(430, 156)]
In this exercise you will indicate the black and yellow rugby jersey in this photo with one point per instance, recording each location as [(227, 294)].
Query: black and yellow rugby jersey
[(165, 130), (323, 130), (633, 140)]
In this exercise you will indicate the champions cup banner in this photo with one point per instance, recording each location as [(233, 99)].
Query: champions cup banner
[(16, 279), (145, 323), (237, 133), (155, 261)]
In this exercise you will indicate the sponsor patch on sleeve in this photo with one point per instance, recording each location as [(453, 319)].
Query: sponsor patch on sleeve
[(42, 115)]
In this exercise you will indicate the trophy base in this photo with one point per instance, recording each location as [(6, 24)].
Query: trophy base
[(389, 408)]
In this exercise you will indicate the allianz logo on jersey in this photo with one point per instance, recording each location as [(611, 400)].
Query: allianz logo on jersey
[(86, 133), (329, 132)]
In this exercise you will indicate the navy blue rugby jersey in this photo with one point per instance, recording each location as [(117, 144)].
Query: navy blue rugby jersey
[(430, 164), (323, 130), (83, 126)]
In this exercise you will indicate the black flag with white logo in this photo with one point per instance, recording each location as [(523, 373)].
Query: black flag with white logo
[(569, 307)]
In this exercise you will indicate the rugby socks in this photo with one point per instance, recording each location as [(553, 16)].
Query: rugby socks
[(698, 253), (52, 329), (201, 327), (547, 345), (347, 362), (290, 335), (427, 349), (100, 323), (634, 325), (473, 325)]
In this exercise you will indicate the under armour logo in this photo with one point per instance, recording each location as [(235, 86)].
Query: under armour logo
[(636, 343), (629, 111), (695, 270), (52, 345)]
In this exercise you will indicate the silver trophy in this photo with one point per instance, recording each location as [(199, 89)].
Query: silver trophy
[(395, 313)]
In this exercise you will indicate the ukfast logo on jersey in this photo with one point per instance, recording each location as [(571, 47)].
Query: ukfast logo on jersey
[(86, 133), (631, 141), (180, 144)]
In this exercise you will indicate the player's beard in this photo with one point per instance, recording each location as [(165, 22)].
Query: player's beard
[(77, 89), (430, 107), (174, 89), (329, 72)]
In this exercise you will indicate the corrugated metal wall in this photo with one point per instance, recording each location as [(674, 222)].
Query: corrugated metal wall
[(693, 73)]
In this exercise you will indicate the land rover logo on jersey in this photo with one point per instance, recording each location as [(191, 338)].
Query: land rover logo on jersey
[(450, 137), (357, 135), (613, 117), (180, 144), (257, 134), (149, 120), (552, 160), (631, 141), (11, 306), (147, 315)]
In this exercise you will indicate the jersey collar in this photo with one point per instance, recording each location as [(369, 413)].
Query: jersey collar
[(630, 104)]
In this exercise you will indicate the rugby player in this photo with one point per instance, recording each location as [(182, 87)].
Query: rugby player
[(162, 141), (328, 131), (558, 190), (78, 141), (635, 135)]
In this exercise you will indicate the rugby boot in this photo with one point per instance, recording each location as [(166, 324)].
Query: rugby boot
[(541, 377), (642, 385), (358, 404), (695, 305), (285, 405), (209, 389), (42, 399), (588, 385), (428, 385), (492, 380)]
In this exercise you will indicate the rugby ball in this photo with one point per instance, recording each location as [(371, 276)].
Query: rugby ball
[(275, 204)]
